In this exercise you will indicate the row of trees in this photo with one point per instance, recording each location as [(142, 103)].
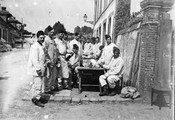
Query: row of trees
[(59, 27), (83, 30)]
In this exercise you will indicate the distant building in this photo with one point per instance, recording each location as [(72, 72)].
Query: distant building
[(104, 13), (9, 27)]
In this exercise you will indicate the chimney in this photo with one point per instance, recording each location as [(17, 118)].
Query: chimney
[(3, 8)]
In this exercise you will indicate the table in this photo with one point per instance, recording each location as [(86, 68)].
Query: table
[(89, 76)]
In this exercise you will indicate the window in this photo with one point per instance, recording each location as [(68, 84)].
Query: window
[(5, 35), (104, 31), (109, 26)]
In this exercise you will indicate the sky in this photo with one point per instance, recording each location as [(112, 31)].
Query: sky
[(38, 14)]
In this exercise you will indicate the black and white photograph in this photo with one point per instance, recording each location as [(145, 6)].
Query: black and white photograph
[(87, 59)]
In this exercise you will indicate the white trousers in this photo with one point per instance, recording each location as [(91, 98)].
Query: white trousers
[(110, 80), (37, 87)]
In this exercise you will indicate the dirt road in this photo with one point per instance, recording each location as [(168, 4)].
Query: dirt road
[(14, 81)]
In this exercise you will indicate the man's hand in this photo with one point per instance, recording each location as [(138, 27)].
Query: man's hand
[(39, 72), (106, 67), (106, 74)]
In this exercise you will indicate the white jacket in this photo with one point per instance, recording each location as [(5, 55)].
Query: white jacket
[(107, 54), (36, 58)]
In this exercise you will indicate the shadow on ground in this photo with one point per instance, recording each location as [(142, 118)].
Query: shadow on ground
[(3, 78)]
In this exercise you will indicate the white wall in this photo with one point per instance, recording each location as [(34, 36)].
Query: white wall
[(135, 6), (105, 17)]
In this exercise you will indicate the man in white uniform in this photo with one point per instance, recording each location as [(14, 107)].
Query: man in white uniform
[(113, 74), (87, 47), (98, 51), (63, 49), (77, 42), (107, 53), (37, 60)]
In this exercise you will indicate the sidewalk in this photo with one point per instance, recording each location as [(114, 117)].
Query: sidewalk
[(72, 96)]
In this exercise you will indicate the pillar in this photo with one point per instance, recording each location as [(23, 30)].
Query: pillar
[(150, 43)]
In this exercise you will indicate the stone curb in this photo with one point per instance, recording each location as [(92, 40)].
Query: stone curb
[(107, 99)]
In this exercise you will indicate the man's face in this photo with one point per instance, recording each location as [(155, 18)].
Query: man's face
[(77, 37), (116, 54), (61, 35), (51, 33), (108, 41), (88, 40), (97, 40), (75, 51), (65, 37), (41, 38)]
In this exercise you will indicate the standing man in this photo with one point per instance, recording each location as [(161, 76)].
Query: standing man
[(63, 49), (51, 80), (113, 74), (77, 41), (87, 47), (98, 44), (107, 53), (37, 60)]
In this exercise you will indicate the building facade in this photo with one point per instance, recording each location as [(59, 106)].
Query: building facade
[(9, 27), (104, 13)]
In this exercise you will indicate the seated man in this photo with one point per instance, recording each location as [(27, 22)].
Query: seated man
[(74, 61), (114, 73)]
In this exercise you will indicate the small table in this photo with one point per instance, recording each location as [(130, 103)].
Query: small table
[(89, 76)]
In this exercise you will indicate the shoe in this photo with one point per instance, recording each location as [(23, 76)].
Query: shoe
[(75, 85), (105, 91), (55, 89), (113, 91), (37, 103), (69, 88)]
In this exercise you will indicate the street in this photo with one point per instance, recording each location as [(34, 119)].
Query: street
[(15, 81)]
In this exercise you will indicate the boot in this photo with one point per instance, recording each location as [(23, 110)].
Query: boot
[(113, 91), (37, 102), (105, 91)]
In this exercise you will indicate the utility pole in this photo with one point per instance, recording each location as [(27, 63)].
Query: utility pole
[(22, 32), (22, 39)]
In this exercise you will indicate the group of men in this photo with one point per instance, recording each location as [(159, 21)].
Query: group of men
[(54, 61)]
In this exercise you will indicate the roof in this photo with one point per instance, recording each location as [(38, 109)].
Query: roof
[(5, 13)]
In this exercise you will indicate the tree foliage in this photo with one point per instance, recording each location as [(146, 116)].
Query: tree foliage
[(83, 30), (77, 29), (122, 16), (86, 30), (59, 27)]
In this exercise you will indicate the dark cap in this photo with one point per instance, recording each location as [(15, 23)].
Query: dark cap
[(107, 36), (49, 28), (40, 32)]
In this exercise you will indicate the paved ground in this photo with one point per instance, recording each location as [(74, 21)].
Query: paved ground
[(15, 82)]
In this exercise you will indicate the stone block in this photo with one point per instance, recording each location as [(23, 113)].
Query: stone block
[(58, 99), (112, 99), (85, 99), (103, 99), (94, 99), (76, 100), (52, 98), (67, 99)]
